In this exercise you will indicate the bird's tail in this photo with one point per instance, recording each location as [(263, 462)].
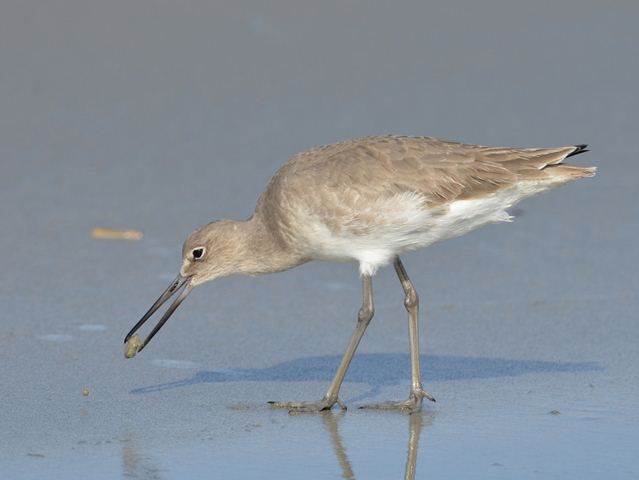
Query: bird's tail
[(558, 172), (569, 172)]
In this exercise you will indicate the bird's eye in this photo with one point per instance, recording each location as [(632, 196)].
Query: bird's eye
[(198, 252)]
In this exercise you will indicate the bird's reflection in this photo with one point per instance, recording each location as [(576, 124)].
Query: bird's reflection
[(330, 421), (415, 423), (134, 463)]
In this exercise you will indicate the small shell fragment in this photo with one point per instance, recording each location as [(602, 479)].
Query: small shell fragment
[(132, 346), (85, 392), (116, 234)]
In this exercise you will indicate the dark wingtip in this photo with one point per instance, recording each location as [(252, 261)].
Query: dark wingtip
[(582, 148)]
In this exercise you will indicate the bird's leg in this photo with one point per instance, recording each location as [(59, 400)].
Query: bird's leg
[(364, 317), (417, 393)]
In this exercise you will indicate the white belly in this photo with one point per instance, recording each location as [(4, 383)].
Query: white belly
[(384, 229)]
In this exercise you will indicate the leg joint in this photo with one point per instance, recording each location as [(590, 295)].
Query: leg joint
[(412, 299), (365, 314)]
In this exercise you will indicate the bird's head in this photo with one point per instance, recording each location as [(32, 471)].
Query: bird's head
[(212, 251)]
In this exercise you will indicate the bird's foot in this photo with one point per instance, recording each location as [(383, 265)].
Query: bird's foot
[(309, 407), (412, 405)]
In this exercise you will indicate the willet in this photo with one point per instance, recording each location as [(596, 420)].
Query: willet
[(367, 200)]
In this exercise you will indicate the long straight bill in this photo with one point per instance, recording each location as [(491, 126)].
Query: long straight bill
[(180, 284)]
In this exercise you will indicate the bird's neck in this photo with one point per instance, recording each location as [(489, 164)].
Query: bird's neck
[(264, 252)]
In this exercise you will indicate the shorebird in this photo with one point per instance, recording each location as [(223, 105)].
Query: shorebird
[(367, 200)]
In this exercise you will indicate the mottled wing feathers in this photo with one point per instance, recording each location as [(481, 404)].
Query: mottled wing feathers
[(441, 171)]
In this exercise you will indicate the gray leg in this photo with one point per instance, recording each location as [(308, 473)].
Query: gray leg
[(364, 317), (411, 302)]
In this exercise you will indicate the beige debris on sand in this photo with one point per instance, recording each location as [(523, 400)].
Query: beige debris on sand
[(85, 392), (116, 234)]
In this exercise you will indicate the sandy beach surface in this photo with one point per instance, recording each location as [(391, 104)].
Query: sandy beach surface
[(158, 117)]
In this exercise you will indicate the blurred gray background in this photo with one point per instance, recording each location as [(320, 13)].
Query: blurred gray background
[(162, 116)]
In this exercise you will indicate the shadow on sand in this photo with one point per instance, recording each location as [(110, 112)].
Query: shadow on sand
[(378, 370)]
